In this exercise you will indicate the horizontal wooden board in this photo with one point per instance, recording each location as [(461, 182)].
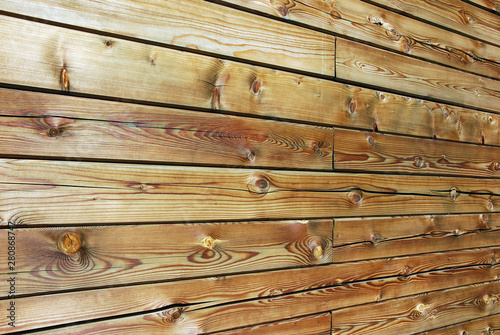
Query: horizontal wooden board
[(224, 85), (376, 67), (452, 14), (66, 193), (392, 237), (419, 313), (487, 4), (351, 107), (55, 259), (194, 24), (79, 305), (370, 151), (487, 325), (309, 325), (355, 230), (368, 23), (96, 129), (199, 319)]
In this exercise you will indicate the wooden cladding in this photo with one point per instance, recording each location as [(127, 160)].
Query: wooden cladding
[(249, 166)]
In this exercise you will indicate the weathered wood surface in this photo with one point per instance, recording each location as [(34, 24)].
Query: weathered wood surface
[(194, 24), (309, 325), (452, 14), (488, 4), (62, 193), (369, 151), (390, 237), (368, 23), (55, 259), (419, 272), (349, 106), (198, 319), (372, 66), (96, 129), (421, 313), (487, 325)]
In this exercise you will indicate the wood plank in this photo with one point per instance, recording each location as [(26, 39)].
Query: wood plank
[(81, 193), (196, 319), (67, 60), (216, 84), (370, 151), (392, 237), (372, 66), (194, 24), (74, 306), (369, 23), (51, 259), (418, 313), (486, 325), (351, 107), (309, 325), (487, 4), (95, 129), (355, 230), (453, 14)]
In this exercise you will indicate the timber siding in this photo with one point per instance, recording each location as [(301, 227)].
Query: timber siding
[(249, 167)]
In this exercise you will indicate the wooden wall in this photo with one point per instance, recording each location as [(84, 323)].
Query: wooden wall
[(250, 166)]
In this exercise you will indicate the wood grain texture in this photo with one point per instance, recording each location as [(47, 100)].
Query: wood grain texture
[(375, 25), (96, 129), (199, 319), (309, 325), (349, 106), (64, 193), (419, 313), (389, 237), (117, 255), (194, 24), (372, 66), (487, 325), (487, 4), (68, 307), (68, 60), (453, 14), (355, 230), (370, 151)]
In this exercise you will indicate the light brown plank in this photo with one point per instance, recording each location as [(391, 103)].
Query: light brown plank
[(92, 67), (309, 325), (351, 107), (369, 23), (369, 151), (197, 25), (349, 231), (453, 14), (66, 193), (96, 129), (198, 319), (487, 325), (391, 237), (62, 258), (416, 314), (63, 308), (372, 66), (488, 4)]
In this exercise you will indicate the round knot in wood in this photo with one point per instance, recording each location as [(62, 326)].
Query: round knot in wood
[(356, 196), (208, 242), (69, 243), (318, 252), (454, 193), (54, 132), (259, 185)]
